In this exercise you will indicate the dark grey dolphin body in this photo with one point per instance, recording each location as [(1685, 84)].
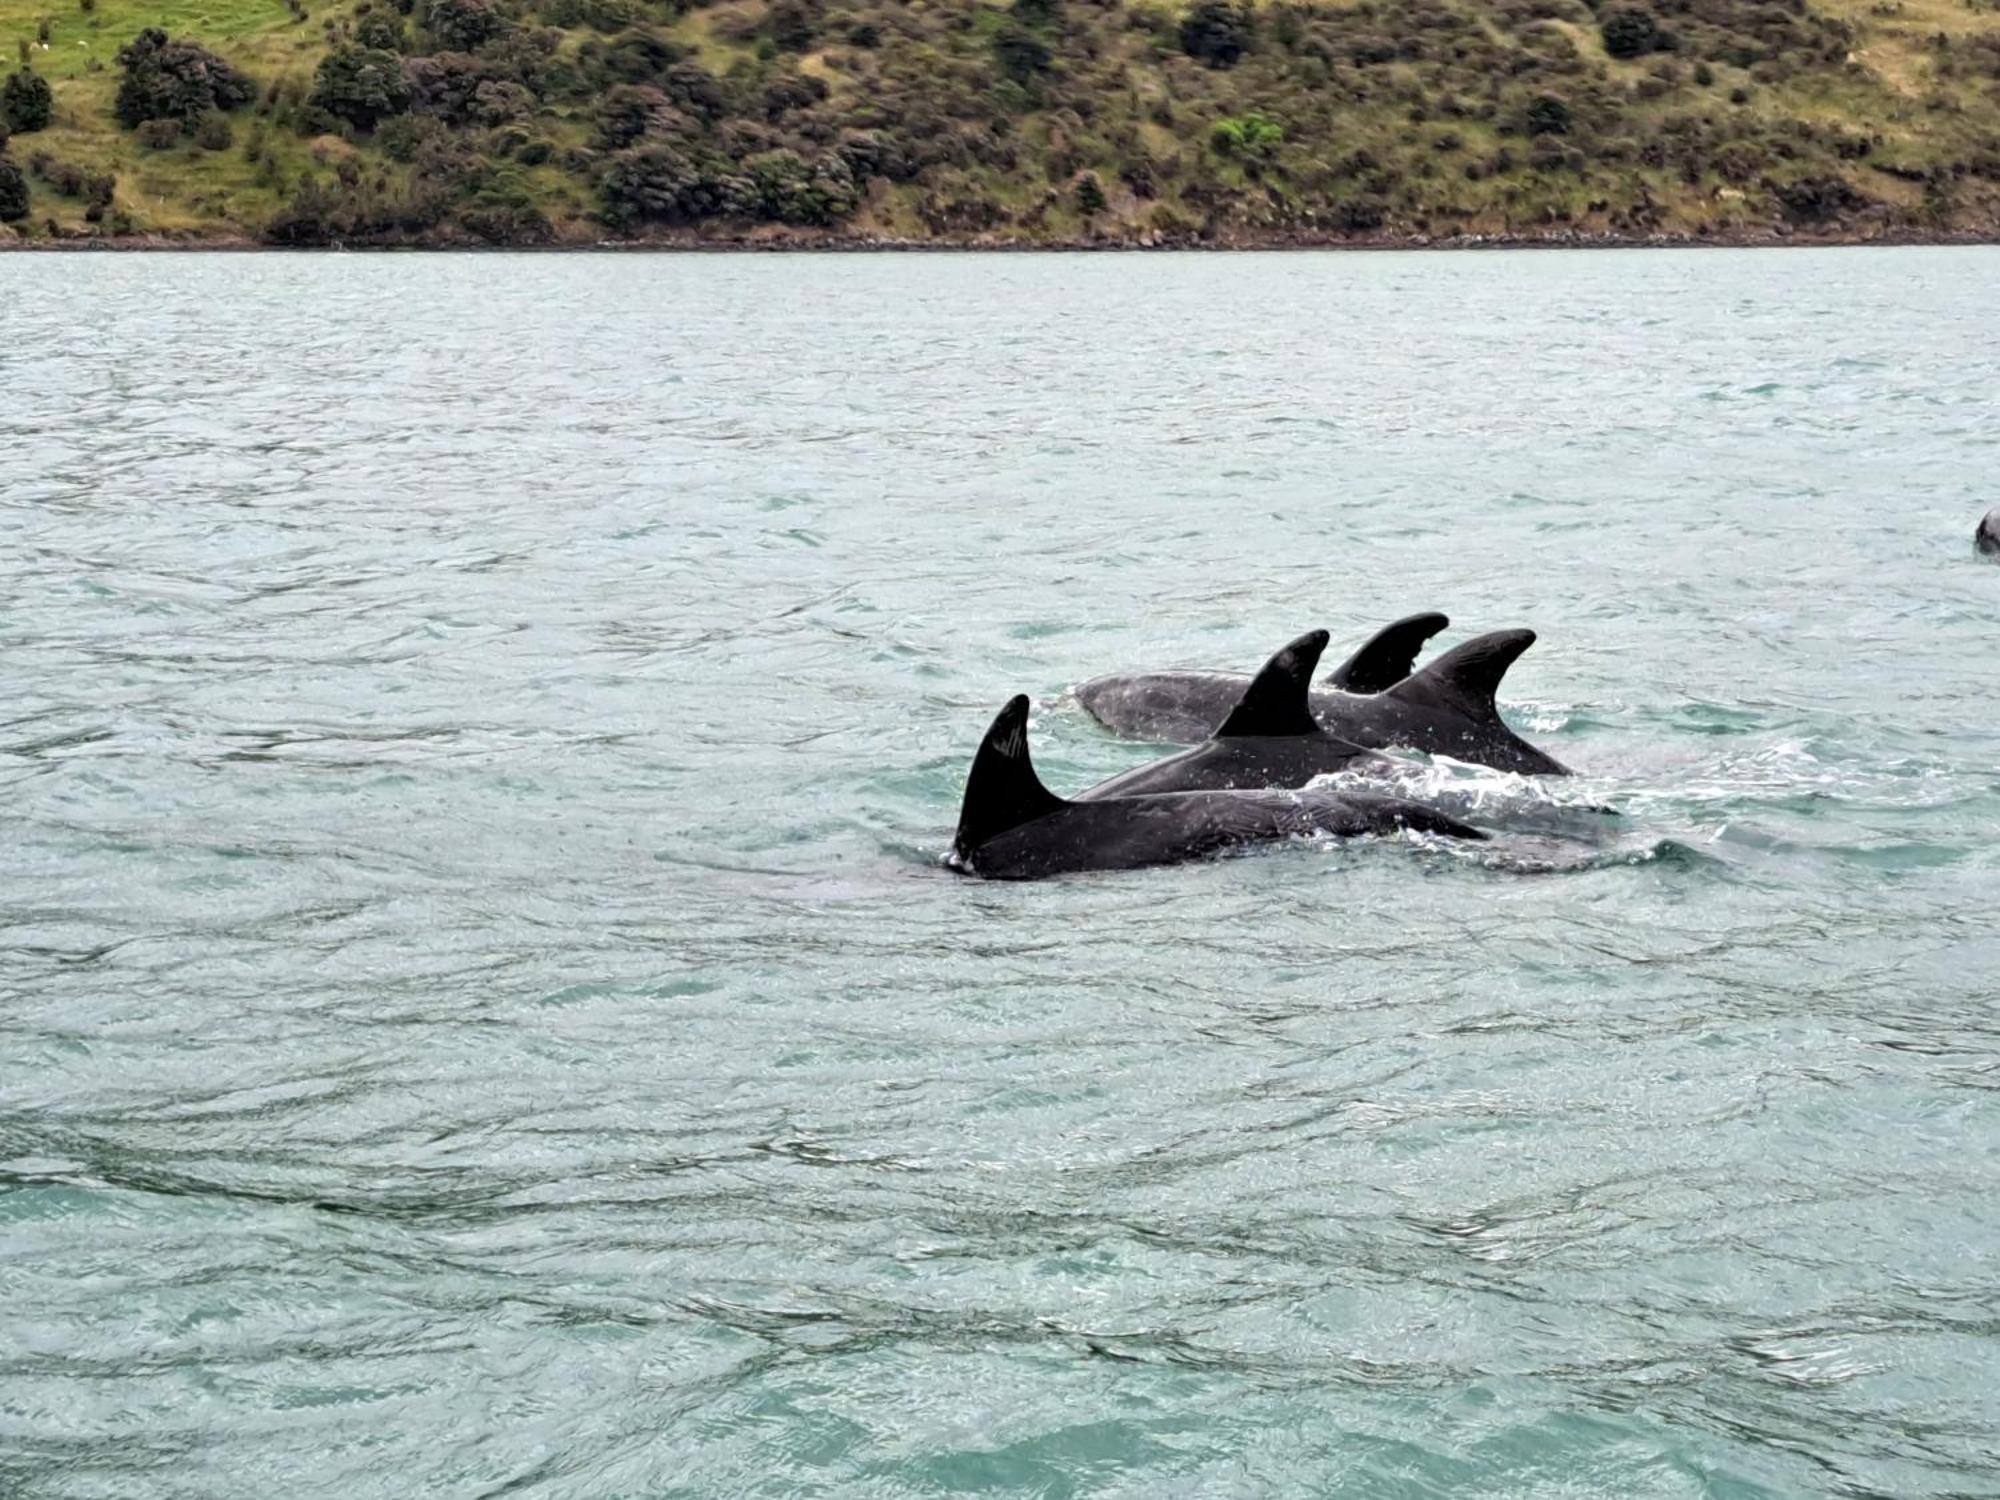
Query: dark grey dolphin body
[(1449, 708), (1011, 827), (1269, 739), (1987, 537), (1183, 708)]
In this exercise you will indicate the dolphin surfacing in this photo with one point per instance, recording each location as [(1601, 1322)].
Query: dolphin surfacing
[(1184, 708), (1011, 827), (1987, 537)]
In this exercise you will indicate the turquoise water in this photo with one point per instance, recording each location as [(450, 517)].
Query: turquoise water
[(483, 1015)]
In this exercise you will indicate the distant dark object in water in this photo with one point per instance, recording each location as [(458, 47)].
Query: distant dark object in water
[(1011, 827), (1449, 708), (1987, 537)]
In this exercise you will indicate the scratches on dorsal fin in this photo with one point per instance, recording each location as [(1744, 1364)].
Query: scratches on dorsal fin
[(1002, 790), (1467, 677), (1388, 656), (1276, 703)]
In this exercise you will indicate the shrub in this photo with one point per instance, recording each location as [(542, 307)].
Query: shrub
[(212, 133), (26, 102), (361, 85), (1089, 195), (158, 135), (1248, 135), (790, 25), (178, 81), (1022, 55), (505, 215), (447, 85), (462, 25), (650, 184), (1812, 200), (795, 191), (13, 193), (497, 101), (1217, 32), (379, 31), (1548, 114), (1629, 32)]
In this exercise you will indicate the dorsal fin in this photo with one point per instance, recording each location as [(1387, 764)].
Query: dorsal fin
[(1388, 656), (1002, 791), (1275, 702), (1467, 677)]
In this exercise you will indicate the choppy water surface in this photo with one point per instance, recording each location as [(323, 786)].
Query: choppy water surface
[(482, 1013)]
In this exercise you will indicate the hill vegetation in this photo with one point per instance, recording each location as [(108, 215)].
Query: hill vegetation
[(1199, 121)]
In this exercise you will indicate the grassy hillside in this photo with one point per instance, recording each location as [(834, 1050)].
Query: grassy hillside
[(537, 121)]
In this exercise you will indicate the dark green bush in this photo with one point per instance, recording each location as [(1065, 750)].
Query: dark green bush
[(1022, 55), (651, 184), (27, 103), (1629, 32), (790, 26), (13, 193), (1548, 114), (462, 25), (1217, 32), (177, 81), (212, 133), (361, 85), (159, 135), (1813, 200), (379, 31)]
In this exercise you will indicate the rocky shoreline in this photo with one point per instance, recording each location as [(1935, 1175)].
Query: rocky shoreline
[(776, 240)]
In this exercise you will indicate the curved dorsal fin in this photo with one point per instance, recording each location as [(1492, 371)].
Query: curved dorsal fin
[(1467, 677), (1388, 656), (1002, 790), (1275, 702)]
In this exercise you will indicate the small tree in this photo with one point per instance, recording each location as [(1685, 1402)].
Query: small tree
[(13, 193), (462, 25), (791, 26), (1217, 32), (1629, 32), (169, 80), (380, 31), (1022, 55), (1548, 115), (1251, 136), (361, 85), (26, 102), (1089, 195)]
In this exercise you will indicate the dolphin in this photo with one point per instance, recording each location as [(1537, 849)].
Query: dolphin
[(1183, 708), (1448, 708), (1987, 537), (1011, 827), (1270, 739)]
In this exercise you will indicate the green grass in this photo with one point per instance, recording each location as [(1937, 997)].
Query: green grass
[(1094, 114)]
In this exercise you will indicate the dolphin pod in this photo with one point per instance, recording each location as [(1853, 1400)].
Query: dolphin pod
[(1264, 740), (1373, 699)]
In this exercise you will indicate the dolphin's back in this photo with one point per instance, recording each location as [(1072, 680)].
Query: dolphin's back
[(1167, 708), (1129, 833)]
